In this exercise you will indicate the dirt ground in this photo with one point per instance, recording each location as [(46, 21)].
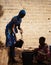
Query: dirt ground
[(4, 57)]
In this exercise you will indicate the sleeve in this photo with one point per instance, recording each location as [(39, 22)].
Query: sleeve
[(14, 21)]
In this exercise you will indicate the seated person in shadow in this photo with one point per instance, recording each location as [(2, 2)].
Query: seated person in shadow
[(41, 53)]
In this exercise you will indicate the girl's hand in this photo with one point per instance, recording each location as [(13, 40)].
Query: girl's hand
[(21, 31)]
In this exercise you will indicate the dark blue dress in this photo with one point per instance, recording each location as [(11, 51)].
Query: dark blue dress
[(10, 35)]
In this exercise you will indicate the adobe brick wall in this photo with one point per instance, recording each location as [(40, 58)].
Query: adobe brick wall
[(36, 23)]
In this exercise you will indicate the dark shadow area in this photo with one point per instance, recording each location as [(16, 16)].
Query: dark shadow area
[(1, 11), (27, 57)]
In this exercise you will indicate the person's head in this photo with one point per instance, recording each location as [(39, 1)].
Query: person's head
[(42, 40), (22, 13)]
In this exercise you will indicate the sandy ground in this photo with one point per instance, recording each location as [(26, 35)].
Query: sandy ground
[(4, 57)]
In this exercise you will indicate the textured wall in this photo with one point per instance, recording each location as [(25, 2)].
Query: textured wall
[(36, 23)]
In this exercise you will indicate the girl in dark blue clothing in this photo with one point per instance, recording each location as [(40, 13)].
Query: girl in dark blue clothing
[(11, 29)]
